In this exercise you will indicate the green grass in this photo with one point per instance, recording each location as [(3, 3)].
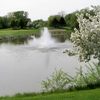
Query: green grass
[(10, 32), (76, 95), (20, 36), (9, 35)]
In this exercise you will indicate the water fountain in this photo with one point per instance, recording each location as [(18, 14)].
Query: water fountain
[(46, 42)]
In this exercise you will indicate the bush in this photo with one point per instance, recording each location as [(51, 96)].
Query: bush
[(57, 82), (61, 81)]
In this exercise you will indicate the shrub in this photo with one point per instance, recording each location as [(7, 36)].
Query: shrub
[(57, 82)]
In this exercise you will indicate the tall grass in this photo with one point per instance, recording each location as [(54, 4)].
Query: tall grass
[(89, 79), (61, 81), (57, 82)]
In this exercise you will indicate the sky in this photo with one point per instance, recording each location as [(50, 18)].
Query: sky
[(42, 9)]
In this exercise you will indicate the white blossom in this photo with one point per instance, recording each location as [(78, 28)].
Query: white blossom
[(87, 37)]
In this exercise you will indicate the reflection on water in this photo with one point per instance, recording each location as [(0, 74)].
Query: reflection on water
[(23, 67)]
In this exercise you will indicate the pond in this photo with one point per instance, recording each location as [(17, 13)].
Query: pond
[(23, 67)]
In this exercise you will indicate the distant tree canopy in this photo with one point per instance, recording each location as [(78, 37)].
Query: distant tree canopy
[(71, 20), (39, 23), (15, 20), (4, 22), (56, 21), (68, 20), (19, 19)]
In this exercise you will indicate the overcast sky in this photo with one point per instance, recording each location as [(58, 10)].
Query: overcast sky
[(41, 9)]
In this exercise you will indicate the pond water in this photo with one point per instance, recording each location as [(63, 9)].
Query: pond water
[(23, 67)]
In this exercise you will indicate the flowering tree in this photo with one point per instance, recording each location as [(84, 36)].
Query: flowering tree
[(87, 37)]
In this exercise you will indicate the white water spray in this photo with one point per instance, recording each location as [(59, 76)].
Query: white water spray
[(45, 41)]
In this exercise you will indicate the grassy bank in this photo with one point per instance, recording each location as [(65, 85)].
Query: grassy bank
[(16, 35), (76, 95), (20, 36), (17, 32)]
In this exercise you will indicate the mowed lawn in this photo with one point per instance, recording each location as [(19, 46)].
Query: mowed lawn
[(10, 32), (17, 36), (76, 95)]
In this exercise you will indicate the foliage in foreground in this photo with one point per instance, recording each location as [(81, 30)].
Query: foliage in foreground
[(60, 81), (57, 87), (89, 79), (57, 81)]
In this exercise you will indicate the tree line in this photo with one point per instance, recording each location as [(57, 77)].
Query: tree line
[(20, 20), (15, 20)]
